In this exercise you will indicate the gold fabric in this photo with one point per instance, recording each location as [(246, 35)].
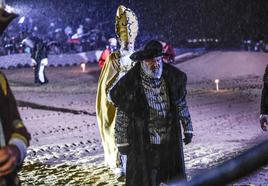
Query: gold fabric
[(106, 111), (3, 84), (126, 24)]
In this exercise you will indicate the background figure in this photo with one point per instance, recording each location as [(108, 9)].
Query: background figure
[(109, 49), (39, 53), (116, 65), (153, 97), (169, 53), (264, 101), (14, 138)]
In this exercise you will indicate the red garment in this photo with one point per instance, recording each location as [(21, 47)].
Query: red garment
[(169, 53), (103, 57)]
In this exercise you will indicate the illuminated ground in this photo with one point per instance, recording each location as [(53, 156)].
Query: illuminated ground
[(66, 147)]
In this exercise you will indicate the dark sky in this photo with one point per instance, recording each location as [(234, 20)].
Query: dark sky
[(182, 19), (206, 18), (177, 20)]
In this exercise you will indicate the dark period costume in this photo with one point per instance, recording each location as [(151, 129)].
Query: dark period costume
[(12, 129), (264, 97), (154, 135), (264, 101), (13, 134), (39, 55)]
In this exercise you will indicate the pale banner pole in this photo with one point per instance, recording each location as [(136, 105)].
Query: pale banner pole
[(2, 4), (2, 136)]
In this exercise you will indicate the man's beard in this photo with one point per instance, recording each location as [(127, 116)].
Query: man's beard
[(156, 73)]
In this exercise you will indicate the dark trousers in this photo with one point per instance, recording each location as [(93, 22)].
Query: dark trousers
[(157, 174), (10, 180)]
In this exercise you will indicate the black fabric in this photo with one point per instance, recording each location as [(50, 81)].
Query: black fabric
[(10, 180), (5, 19), (187, 138), (128, 95), (8, 114), (39, 52), (264, 96)]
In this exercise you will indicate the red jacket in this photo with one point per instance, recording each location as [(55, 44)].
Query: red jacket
[(103, 57), (169, 53)]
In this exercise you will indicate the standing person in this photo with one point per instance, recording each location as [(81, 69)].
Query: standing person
[(109, 49), (168, 52), (116, 65), (264, 101), (14, 138), (39, 53), (153, 96), (39, 58)]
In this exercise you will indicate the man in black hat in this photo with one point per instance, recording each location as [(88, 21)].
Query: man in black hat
[(153, 96), (264, 102)]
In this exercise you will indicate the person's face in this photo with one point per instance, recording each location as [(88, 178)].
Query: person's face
[(127, 46), (153, 64)]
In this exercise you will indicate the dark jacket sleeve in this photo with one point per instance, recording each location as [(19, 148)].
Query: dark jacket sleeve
[(122, 93), (182, 108), (12, 127), (19, 130), (122, 97), (121, 128), (264, 96), (33, 53)]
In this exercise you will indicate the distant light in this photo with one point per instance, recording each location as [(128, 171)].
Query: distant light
[(83, 66), (204, 40), (217, 84), (216, 40), (194, 40), (22, 19), (189, 40), (9, 9), (200, 40)]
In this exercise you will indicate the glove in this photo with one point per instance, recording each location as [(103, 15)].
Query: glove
[(124, 150), (263, 122), (188, 138)]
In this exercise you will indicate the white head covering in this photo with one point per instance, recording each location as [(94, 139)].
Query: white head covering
[(27, 41), (112, 41)]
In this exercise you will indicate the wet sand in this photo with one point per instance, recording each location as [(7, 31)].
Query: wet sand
[(66, 146)]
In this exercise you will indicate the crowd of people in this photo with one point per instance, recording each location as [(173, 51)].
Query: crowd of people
[(77, 27)]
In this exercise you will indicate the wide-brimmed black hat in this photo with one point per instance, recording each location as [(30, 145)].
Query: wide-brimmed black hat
[(151, 49)]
